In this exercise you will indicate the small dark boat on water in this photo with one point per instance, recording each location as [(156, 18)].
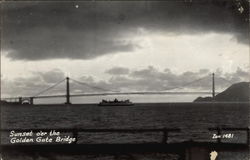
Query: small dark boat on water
[(116, 102)]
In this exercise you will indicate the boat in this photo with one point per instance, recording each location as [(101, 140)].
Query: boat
[(116, 102)]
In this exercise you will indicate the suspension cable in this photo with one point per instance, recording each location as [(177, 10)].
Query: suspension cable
[(48, 88), (187, 84), (85, 84), (224, 80)]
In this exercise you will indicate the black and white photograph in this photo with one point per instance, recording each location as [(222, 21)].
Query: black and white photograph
[(125, 80)]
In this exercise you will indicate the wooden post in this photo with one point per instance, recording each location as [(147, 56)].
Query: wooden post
[(248, 136), (165, 137), (75, 135)]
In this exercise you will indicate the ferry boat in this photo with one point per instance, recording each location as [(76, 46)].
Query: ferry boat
[(116, 102)]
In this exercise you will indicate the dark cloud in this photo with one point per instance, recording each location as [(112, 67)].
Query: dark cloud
[(118, 71), (50, 30)]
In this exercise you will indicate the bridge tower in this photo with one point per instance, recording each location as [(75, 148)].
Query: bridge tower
[(213, 86), (67, 91)]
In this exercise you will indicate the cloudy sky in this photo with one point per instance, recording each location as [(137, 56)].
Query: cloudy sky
[(125, 46)]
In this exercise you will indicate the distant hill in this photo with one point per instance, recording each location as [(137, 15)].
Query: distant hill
[(238, 92)]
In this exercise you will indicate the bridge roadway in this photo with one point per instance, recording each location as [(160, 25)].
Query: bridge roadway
[(110, 93)]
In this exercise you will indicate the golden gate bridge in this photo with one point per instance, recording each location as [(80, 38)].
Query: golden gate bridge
[(105, 92)]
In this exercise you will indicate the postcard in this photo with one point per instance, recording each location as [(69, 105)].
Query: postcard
[(125, 80)]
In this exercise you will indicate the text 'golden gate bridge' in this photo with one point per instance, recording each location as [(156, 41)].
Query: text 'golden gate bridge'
[(105, 92)]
